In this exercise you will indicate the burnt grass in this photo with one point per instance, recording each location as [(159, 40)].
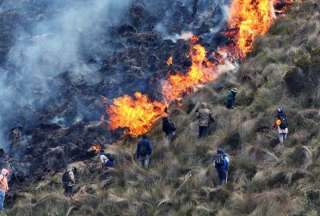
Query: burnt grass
[(266, 178)]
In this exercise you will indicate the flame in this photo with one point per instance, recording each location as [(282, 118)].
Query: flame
[(248, 20), (136, 114), (201, 71), (251, 19)]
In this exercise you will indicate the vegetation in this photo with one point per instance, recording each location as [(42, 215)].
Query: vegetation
[(265, 177)]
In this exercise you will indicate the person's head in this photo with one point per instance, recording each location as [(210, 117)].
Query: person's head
[(203, 105), (220, 151), (144, 136), (280, 109), (234, 90), (4, 172), (102, 151)]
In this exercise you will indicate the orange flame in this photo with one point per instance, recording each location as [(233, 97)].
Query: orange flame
[(248, 20), (136, 114), (251, 18), (201, 71)]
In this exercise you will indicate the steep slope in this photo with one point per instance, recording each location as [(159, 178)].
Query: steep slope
[(265, 177)]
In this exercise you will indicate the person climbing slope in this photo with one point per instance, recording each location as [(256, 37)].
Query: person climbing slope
[(144, 151), (205, 117), (3, 187), (169, 128), (231, 98), (106, 159), (221, 163), (68, 181), (281, 124)]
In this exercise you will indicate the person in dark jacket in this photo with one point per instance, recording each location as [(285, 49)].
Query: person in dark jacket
[(169, 128), (205, 117), (144, 151), (221, 163), (281, 124), (231, 98)]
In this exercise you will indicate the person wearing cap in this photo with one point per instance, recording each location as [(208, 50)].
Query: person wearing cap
[(231, 98), (68, 180), (205, 117), (106, 159), (3, 186), (281, 124), (144, 151), (221, 163)]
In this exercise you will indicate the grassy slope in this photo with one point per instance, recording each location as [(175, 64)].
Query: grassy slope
[(266, 179)]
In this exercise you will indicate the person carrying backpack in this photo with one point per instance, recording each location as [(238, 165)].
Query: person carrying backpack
[(3, 187), (68, 181), (106, 159), (144, 151), (231, 98), (221, 163), (281, 124), (205, 117), (169, 128)]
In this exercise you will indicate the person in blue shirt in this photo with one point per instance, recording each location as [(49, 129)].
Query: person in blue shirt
[(221, 163), (144, 151)]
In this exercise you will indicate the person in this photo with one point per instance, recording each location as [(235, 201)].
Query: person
[(221, 163), (106, 159), (205, 117), (3, 187), (169, 128), (93, 150), (231, 98), (144, 151), (68, 180), (281, 124)]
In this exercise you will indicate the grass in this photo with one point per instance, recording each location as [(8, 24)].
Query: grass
[(265, 178)]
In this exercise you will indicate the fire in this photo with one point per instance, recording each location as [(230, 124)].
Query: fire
[(135, 114), (251, 19), (201, 71), (248, 20)]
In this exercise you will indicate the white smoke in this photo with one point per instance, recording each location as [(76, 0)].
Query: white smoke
[(50, 44)]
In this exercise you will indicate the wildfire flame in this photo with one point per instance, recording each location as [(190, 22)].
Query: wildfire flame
[(251, 19), (201, 71), (136, 114), (248, 20)]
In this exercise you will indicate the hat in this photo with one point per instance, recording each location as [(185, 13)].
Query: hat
[(4, 172), (203, 105), (234, 90)]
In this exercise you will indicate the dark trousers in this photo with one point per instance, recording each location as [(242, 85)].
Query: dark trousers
[(230, 103), (203, 131), (223, 176)]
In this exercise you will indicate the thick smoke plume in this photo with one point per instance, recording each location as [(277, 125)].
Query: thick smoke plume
[(50, 38)]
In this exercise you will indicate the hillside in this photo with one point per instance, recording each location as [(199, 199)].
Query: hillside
[(266, 178)]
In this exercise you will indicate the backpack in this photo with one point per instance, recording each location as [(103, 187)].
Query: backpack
[(219, 161), (143, 151), (283, 124)]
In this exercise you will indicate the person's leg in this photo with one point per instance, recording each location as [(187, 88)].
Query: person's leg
[(147, 161), (200, 132), (2, 196), (280, 135)]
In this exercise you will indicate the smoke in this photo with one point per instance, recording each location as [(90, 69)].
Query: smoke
[(51, 38)]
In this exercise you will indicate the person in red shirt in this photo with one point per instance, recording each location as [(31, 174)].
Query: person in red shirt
[(3, 186)]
